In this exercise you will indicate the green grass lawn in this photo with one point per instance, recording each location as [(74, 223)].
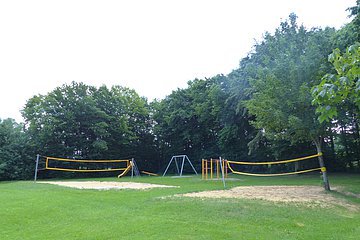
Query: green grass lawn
[(44, 211)]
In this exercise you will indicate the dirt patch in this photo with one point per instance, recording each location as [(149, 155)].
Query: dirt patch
[(308, 195), (226, 179), (103, 185)]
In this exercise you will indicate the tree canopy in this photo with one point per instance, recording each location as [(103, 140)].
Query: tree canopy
[(296, 90), (341, 88)]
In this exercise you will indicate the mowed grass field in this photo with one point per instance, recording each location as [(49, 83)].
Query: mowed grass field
[(44, 211)]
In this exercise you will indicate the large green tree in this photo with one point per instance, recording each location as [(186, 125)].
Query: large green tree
[(288, 63), (337, 95), (82, 121), (337, 99)]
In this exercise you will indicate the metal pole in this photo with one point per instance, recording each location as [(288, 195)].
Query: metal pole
[(182, 165), (176, 164), (222, 172), (191, 165), (132, 167), (168, 166), (36, 167)]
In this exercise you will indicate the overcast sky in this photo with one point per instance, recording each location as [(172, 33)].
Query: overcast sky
[(153, 46)]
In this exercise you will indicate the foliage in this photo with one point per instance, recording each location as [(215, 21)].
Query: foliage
[(287, 64), (355, 12), (187, 121), (15, 162), (342, 88), (82, 121), (262, 110), (204, 120), (337, 102)]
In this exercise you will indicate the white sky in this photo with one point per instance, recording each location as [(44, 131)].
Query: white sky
[(153, 46)]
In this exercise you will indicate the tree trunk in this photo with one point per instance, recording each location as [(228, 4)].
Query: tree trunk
[(357, 138), (318, 142)]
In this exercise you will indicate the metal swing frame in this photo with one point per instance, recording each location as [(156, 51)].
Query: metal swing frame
[(182, 159)]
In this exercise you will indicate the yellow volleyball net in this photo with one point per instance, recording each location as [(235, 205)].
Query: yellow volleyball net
[(79, 165), (123, 166), (231, 164)]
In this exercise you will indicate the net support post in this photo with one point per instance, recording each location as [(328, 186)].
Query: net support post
[(36, 167), (222, 172)]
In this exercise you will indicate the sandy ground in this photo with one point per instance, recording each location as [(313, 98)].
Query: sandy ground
[(308, 195), (106, 185)]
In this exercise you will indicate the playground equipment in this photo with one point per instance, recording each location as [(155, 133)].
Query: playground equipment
[(134, 169), (77, 165), (212, 167), (125, 171), (182, 158), (149, 173)]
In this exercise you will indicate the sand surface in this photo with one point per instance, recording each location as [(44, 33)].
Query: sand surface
[(308, 195), (104, 185)]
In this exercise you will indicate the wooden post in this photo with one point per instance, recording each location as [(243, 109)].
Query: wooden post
[(46, 163), (206, 169), (217, 169), (202, 169), (211, 168)]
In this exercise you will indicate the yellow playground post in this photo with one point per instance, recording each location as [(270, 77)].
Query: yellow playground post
[(212, 167)]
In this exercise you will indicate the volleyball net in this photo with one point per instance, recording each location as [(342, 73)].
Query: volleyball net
[(77, 165), (231, 166), (123, 166)]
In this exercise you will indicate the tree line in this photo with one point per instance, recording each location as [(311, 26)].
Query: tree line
[(297, 92)]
